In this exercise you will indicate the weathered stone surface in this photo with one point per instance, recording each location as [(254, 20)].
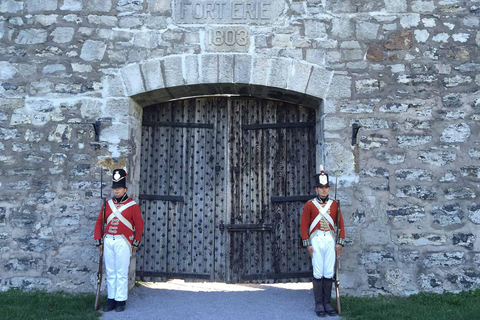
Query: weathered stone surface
[(62, 34), (446, 259), (371, 123), (375, 235), (459, 193), (413, 175), (412, 124), (11, 6), (423, 6), (24, 218), (366, 30), (448, 177), (375, 53), (357, 108), (400, 41), (464, 239), (340, 87), (342, 28), (394, 107), (375, 257), (430, 283), (93, 50), (373, 141), (447, 215), (368, 86), (319, 82), (35, 243), (23, 264), (72, 5), (279, 69), (437, 158), (7, 70), (452, 100), (471, 172), (421, 239), (465, 279), (456, 133), (41, 5), (452, 115), (375, 172), (410, 213), (133, 80), (474, 213), (31, 36), (67, 221), (98, 5), (421, 192), (390, 158), (31, 284), (412, 141), (419, 79), (2, 220)]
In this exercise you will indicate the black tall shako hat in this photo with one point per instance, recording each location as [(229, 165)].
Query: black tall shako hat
[(321, 179), (119, 178)]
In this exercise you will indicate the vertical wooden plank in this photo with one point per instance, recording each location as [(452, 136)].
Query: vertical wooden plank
[(210, 116), (174, 182), (161, 149), (198, 183), (235, 162), (186, 113), (146, 136), (221, 189), (292, 163)]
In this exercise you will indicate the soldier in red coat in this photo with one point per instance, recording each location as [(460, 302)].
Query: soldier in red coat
[(319, 217), (123, 233)]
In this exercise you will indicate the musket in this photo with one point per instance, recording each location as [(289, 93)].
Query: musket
[(337, 258), (100, 263)]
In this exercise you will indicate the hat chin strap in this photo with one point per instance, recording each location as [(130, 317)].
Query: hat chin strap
[(322, 199), (123, 198)]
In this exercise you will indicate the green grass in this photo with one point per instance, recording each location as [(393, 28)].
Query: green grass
[(447, 306), (17, 305)]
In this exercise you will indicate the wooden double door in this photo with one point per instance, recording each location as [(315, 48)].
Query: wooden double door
[(223, 184)]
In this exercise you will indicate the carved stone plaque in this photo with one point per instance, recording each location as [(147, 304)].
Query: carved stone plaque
[(227, 39), (256, 12)]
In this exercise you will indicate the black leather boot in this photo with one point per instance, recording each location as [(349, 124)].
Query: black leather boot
[(318, 294), (327, 295), (120, 307), (109, 306)]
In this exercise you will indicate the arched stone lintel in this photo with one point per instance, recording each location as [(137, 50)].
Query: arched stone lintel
[(179, 76)]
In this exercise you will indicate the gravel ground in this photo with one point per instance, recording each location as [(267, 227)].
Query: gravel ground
[(177, 299)]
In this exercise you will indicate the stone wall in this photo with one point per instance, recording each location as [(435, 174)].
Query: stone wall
[(406, 71)]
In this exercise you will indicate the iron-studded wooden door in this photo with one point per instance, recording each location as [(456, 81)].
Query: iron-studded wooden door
[(183, 189), (223, 184), (272, 162)]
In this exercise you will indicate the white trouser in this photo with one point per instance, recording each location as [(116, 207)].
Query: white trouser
[(323, 259), (117, 260)]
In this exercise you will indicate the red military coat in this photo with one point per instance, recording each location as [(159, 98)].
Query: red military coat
[(309, 214), (127, 222)]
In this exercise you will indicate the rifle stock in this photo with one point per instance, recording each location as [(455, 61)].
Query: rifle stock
[(99, 283), (337, 294)]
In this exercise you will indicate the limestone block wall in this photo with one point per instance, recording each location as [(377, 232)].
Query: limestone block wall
[(406, 71)]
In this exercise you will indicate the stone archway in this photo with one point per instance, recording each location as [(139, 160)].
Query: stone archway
[(179, 77)]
